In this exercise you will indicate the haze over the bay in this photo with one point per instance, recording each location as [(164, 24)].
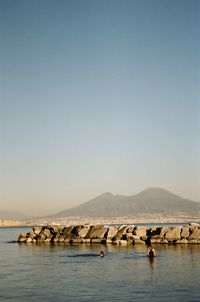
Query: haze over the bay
[(98, 96)]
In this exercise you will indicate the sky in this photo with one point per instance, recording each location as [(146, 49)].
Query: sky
[(97, 96)]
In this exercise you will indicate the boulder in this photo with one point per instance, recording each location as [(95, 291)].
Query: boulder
[(173, 234), (130, 229), (129, 236), (185, 232), (194, 241), (29, 240), (47, 233), (195, 235), (37, 230), (156, 239), (77, 240), (194, 224), (138, 241), (88, 241), (182, 241), (61, 238), (164, 241), (154, 231), (99, 233), (66, 230), (31, 235), (164, 230), (122, 230), (40, 238), (95, 240), (76, 229), (83, 232), (140, 231), (109, 241), (55, 229), (112, 231), (120, 242)]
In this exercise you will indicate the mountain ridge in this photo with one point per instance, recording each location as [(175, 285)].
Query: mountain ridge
[(153, 200)]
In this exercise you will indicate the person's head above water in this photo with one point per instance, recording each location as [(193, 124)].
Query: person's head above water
[(101, 253), (151, 252)]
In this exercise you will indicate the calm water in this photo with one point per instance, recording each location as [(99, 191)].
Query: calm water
[(74, 273)]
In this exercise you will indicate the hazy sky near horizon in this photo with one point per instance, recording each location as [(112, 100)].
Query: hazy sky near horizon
[(98, 95)]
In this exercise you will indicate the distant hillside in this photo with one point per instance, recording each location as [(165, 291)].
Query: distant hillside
[(149, 201)]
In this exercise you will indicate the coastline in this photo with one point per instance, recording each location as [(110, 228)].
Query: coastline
[(145, 219)]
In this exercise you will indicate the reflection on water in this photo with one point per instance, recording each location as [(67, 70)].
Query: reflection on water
[(64, 272)]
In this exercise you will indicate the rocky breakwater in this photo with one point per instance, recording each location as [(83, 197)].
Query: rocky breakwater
[(119, 235)]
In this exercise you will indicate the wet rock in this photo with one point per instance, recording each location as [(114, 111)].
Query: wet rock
[(87, 241), (22, 238), (182, 241), (29, 240), (164, 241), (194, 241), (138, 241)]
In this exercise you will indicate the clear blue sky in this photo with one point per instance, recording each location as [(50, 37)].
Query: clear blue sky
[(98, 95)]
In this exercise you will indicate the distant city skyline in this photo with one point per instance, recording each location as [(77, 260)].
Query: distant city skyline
[(98, 96)]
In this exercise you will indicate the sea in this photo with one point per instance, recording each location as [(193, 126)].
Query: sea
[(63, 272)]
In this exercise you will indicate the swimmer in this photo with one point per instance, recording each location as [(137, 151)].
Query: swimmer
[(151, 252), (101, 253)]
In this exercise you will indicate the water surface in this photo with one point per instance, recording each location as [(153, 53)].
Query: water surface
[(75, 272)]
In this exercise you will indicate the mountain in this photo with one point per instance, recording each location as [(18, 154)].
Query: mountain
[(149, 201)]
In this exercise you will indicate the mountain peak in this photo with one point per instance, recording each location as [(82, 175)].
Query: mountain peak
[(150, 201)]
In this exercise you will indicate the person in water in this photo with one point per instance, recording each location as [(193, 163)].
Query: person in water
[(101, 253), (151, 252)]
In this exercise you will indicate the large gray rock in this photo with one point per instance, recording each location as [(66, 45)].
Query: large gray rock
[(120, 242), (22, 238), (194, 241), (140, 231), (138, 241), (164, 230), (31, 235), (182, 241), (99, 233), (195, 235), (37, 230), (113, 230), (195, 224), (84, 231), (173, 234), (76, 229), (185, 232), (66, 230), (156, 239), (122, 230), (29, 240), (47, 233)]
